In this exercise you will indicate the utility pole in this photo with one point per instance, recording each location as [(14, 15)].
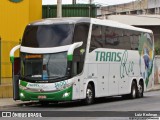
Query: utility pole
[(90, 2), (73, 1), (59, 8)]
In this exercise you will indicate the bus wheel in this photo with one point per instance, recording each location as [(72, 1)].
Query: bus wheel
[(140, 90), (133, 90), (89, 95)]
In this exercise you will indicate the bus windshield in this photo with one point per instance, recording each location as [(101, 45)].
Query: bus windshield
[(42, 36), (52, 66), (43, 66)]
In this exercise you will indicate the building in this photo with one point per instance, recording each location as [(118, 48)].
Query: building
[(136, 7), (14, 16)]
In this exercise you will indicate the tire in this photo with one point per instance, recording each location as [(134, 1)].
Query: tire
[(133, 93), (89, 95), (140, 90)]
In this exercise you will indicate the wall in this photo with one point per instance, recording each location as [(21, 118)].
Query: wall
[(153, 3), (13, 19), (35, 10), (157, 69)]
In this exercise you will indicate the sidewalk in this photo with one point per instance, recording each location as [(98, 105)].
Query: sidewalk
[(156, 87), (6, 102)]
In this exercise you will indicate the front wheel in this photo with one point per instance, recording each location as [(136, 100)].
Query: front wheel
[(89, 95)]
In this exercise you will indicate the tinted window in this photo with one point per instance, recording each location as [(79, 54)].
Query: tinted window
[(48, 35), (80, 34), (115, 38)]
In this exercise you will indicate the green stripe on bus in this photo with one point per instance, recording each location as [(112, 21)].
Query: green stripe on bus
[(12, 59), (23, 83), (69, 57)]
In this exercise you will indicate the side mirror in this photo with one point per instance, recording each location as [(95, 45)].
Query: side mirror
[(15, 72), (16, 66), (71, 50)]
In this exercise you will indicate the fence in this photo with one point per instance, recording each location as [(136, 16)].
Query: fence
[(75, 10)]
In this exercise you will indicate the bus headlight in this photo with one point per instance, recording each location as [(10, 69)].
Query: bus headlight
[(66, 94), (22, 95)]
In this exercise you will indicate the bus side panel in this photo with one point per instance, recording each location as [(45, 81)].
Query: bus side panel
[(76, 89), (103, 79)]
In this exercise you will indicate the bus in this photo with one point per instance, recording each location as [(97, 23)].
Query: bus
[(78, 58)]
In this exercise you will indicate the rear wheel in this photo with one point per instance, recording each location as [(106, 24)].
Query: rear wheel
[(89, 95), (140, 90), (133, 93)]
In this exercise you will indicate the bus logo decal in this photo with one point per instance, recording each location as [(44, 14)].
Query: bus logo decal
[(126, 66)]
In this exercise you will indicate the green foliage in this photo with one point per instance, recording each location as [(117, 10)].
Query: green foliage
[(157, 51), (157, 47)]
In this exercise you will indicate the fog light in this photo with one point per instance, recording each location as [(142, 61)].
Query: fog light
[(66, 94), (22, 95)]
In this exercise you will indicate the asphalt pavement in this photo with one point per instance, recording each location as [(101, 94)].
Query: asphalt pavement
[(109, 108)]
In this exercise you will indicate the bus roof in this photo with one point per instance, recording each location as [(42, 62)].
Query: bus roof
[(72, 20)]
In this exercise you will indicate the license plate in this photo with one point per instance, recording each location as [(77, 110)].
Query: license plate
[(42, 97)]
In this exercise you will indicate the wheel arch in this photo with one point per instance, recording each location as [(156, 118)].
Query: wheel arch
[(133, 80), (93, 84), (141, 80)]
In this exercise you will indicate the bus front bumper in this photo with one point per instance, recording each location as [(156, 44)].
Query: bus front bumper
[(61, 95)]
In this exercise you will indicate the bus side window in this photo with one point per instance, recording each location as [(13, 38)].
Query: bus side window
[(134, 38), (96, 38)]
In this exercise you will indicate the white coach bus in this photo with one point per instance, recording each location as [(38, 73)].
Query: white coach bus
[(64, 59)]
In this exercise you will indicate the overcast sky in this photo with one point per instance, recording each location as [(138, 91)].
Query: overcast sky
[(102, 2)]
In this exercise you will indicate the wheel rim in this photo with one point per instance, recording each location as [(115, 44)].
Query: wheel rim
[(140, 89), (134, 93), (89, 95)]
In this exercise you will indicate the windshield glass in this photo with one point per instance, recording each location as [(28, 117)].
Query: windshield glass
[(42, 36), (43, 67)]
